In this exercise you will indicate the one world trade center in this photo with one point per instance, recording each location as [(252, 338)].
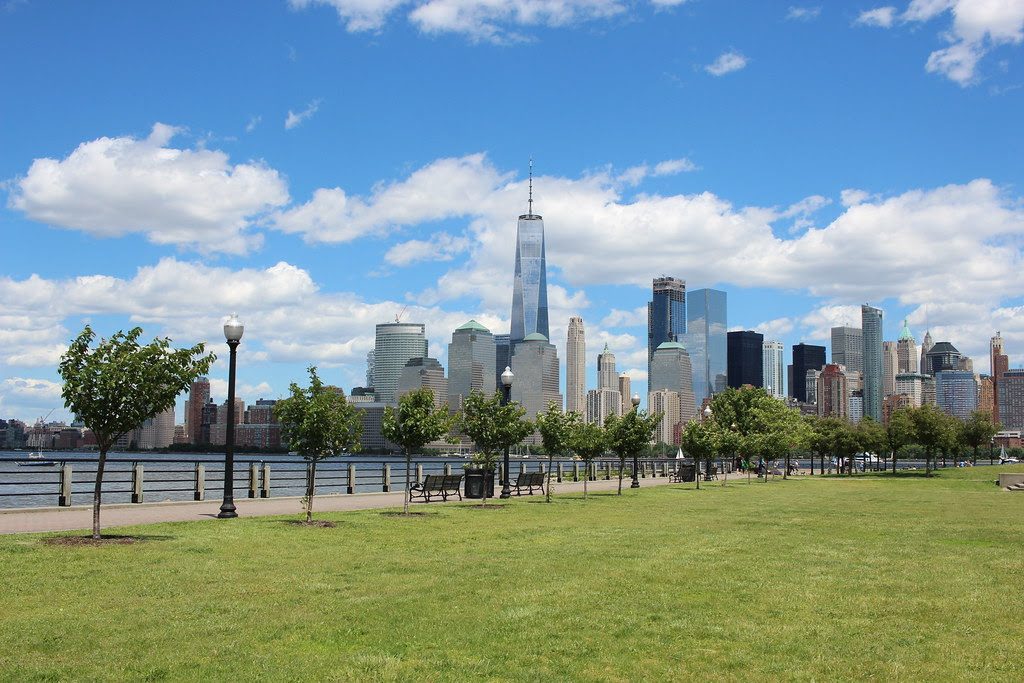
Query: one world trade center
[(530, 288)]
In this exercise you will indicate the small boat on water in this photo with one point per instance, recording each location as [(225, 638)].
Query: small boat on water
[(36, 460)]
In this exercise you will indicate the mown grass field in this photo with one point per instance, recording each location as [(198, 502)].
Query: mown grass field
[(872, 577)]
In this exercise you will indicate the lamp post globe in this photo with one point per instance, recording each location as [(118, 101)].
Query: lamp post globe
[(707, 412), (506, 396), (233, 330), (635, 400)]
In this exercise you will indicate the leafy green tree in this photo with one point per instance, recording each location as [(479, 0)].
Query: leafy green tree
[(845, 445), (588, 440), (951, 442), (413, 425), (630, 434), (871, 435), (929, 428), (492, 427), (977, 431), (556, 431), (701, 441), (318, 423), (116, 385), (899, 433), (777, 431)]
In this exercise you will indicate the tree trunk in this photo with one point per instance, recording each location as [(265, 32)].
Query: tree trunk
[(894, 462), (408, 491), (98, 494), (310, 489), (547, 490), (585, 479), (785, 475), (927, 464), (622, 466), (696, 471), (974, 460)]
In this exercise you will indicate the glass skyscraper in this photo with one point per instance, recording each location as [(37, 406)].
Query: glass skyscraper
[(530, 287), (666, 314), (396, 344), (706, 329), (871, 326)]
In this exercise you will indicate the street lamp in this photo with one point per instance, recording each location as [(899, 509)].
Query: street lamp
[(506, 396), (991, 447), (233, 330), (636, 465)]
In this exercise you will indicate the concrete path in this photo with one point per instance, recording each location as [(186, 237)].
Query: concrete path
[(126, 514)]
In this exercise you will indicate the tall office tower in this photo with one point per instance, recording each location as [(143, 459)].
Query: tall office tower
[(396, 344), (471, 359), (625, 393), (999, 363), (811, 385), (369, 368), (666, 314), (855, 408), (607, 377), (665, 403), (535, 365), (832, 394), (198, 396), (745, 359), (601, 403), (926, 346), (1011, 399), (911, 384), (928, 390), (502, 356), (530, 286), (772, 368), (871, 326), (848, 348), (423, 373), (987, 396), (575, 367), (805, 357), (790, 387), (706, 326), (941, 356), (671, 369), (906, 351), (956, 393), (890, 362)]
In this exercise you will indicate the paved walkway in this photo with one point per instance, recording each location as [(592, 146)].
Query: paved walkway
[(126, 514)]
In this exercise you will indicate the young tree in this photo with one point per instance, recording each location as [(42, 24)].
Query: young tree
[(588, 440), (871, 435), (701, 441), (929, 427), (556, 431), (977, 431), (630, 435), (416, 423), (899, 432), (492, 427), (777, 431), (117, 385), (318, 423)]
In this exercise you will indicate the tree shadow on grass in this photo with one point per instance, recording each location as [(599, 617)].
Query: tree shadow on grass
[(105, 540), (315, 524), (412, 513)]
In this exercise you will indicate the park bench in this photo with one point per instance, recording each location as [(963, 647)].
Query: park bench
[(437, 485), (529, 480)]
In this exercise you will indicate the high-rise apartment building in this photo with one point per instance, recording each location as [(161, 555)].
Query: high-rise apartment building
[(772, 370), (423, 373), (666, 314), (536, 383), (805, 357), (956, 393), (369, 368), (602, 403), (999, 363), (625, 393), (1010, 390), (607, 377), (893, 403), (871, 328), (745, 359), (811, 385), (987, 396), (198, 396), (706, 341), (396, 344), (157, 431), (471, 359), (575, 366), (848, 348), (890, 363), (907, 359), (666, 404), (671, 369), (530, 284), (832, 394)]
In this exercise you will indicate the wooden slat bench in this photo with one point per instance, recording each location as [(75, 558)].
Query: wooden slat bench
[(529, 481), (442, 485)]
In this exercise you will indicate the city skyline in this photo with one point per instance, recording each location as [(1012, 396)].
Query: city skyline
[(255, 186)]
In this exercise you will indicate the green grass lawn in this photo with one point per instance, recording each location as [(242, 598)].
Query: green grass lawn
[(883, 577)]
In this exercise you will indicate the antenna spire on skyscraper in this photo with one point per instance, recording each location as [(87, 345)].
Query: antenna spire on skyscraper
[(530, 210)]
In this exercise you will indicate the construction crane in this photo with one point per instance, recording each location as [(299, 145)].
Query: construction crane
[(398, 318)]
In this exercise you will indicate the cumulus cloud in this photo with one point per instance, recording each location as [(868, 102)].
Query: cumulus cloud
[(29, 396), (883, 17), (110, 187), (297, 118), (727, 62), (440, 247)]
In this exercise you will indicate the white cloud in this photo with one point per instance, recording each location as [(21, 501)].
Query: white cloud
[(673, 166), (727, 62), (818, 323), (254, 122), (440, 247), (111, 187), (774, 329), (853, 197), (803, 13), (620, 318), (28, 396), (883, 17), (295, 119)]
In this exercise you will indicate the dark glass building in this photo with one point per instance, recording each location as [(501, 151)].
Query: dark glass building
[(666, 314), (706, 327), (805, 357), (745, 359)]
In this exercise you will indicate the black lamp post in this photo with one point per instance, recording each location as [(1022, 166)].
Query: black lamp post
[(636, 465), (506, 396), (991, 448), (233, 329)]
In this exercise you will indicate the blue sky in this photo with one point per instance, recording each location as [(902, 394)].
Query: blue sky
[(319, 165)]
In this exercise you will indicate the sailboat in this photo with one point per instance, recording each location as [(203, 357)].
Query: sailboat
[(36, 458), (679, 454)]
